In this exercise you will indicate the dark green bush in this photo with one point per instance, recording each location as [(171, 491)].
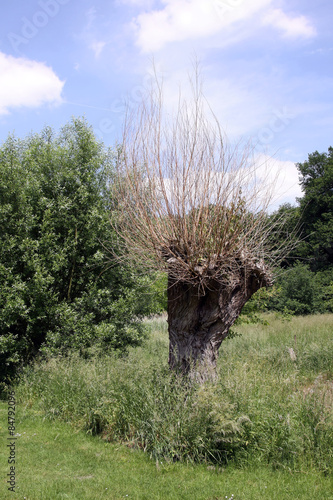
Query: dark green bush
[(57, 289), (298, 290)]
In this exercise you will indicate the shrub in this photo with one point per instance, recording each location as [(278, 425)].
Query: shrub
[(57, 290), (299, 291)]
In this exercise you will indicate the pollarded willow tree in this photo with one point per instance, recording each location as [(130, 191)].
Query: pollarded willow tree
[(193, 206)]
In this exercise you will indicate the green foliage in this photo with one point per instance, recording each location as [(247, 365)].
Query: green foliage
[(56, 291), (324, 287), (316, 177), (297, 292), (300, 291), (257, 304)]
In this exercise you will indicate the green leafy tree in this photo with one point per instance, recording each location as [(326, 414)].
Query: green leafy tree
[(299, 290), (316, 178), (296, 291), (306, 287), (56, 293)]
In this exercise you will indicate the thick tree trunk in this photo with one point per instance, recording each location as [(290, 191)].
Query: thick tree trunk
[(199, 322)]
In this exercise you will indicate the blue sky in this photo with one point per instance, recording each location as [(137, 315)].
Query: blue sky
[(267, 67)]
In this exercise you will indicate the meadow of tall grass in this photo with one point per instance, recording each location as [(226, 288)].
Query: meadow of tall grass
[(271, 404)]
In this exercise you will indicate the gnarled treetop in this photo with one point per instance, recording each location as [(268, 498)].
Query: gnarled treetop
[(187, 201)]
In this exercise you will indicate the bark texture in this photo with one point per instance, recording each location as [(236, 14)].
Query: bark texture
[(199, 319)]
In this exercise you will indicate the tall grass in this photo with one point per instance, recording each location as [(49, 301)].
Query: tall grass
[(270, 405)]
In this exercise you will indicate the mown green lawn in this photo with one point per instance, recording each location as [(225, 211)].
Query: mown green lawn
[(55, 462)]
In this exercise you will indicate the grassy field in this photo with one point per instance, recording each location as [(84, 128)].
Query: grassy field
[(108, 427), (53, 462)]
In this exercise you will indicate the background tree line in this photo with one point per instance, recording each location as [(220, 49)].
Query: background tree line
[(305, 282)]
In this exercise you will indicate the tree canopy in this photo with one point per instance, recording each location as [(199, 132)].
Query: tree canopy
[(306, 286), (56, 290), (316, 206)]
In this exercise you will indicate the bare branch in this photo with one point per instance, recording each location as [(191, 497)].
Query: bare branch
[(190, 203)]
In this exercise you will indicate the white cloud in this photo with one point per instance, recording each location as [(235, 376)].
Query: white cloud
[(137, 3), (266, 183), (190, 19), (97, 47), (283, 175), (292, 27), (90, 35), (241, 103), (321, 51), (181, 20), (90, 16), (27, 83)]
